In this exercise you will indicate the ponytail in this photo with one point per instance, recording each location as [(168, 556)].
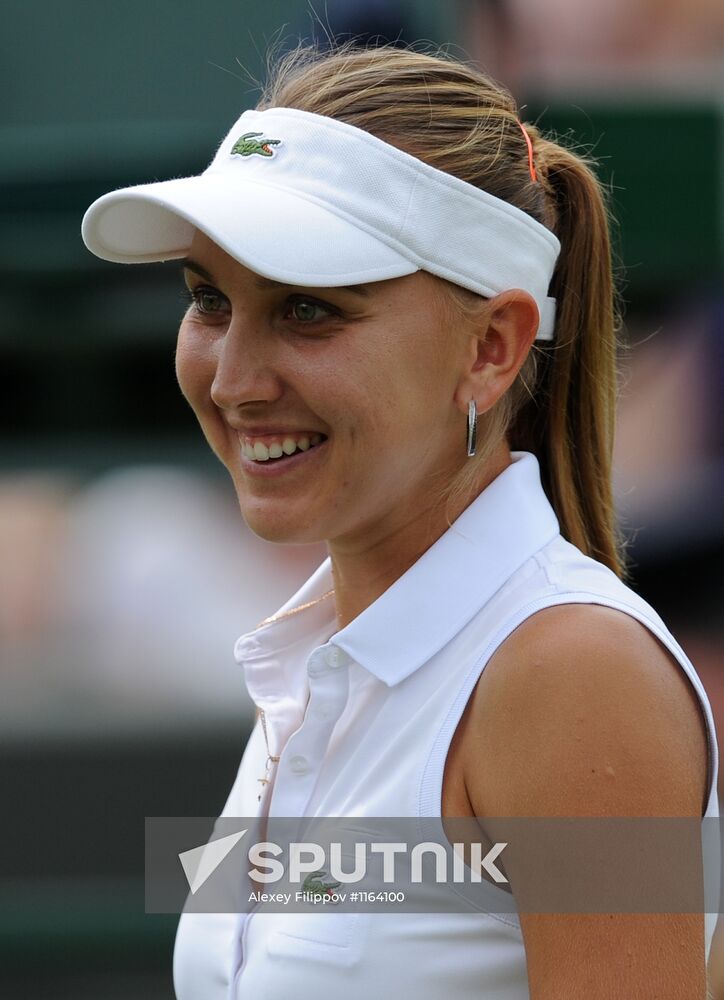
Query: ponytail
[(570, 423)]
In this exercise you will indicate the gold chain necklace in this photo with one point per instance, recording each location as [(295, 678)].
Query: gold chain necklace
[(292, 611), (270, 758)]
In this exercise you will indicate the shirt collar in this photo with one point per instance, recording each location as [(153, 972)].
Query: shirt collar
[(440, 593)]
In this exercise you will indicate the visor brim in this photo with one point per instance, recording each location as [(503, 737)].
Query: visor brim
[(270, 230)]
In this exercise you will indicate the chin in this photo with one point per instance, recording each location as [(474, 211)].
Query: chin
[(284, 530)]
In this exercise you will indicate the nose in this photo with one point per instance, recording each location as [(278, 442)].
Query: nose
[(245, 370)]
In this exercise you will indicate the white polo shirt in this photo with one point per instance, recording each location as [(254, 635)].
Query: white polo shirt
[(362, 719)]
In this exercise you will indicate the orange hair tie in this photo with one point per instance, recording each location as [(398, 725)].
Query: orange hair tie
[(531, 164)]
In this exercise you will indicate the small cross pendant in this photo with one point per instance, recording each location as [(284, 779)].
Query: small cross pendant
[(264, 781)]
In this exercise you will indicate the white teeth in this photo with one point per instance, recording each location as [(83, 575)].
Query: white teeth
[(260, 452)]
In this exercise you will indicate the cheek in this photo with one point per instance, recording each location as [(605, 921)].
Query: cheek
[(195, 368), (417, 382)]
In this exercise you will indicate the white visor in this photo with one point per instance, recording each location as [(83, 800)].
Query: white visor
[(309, 200)]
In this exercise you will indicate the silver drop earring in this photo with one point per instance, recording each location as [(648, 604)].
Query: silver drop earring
[(472, 427)]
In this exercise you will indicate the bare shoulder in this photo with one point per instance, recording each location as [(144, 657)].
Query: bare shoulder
[(582, 711)]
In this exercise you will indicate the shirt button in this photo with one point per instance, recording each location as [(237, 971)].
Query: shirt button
[(335, 657), (299, 765)]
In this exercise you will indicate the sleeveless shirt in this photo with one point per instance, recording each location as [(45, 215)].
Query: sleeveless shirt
[(362, 719)]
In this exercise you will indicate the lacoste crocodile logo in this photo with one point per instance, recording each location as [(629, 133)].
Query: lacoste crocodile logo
[(314, 883), (250, 143)]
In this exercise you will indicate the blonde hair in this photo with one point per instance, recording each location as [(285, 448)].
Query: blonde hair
[(452, 116)]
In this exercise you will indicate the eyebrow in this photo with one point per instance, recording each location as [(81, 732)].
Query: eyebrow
[(268, 283), (191, 265)]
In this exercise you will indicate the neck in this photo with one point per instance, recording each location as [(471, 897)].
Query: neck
[(364, 568)]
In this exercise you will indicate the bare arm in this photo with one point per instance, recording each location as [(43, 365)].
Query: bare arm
[(583, 713)]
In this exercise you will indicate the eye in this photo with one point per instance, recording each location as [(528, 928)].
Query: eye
[(306, 311), (205, 299)]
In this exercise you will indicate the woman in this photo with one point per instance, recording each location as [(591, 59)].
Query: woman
[(401, 340)]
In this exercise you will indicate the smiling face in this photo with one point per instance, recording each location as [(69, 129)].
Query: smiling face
[(373, 368)]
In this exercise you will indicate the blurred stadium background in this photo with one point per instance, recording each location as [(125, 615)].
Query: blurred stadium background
[(125, 571)]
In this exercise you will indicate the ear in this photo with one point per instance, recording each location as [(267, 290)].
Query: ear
[(504, 333)]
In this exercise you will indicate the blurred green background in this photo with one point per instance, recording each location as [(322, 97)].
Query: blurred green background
[(98, 95)]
